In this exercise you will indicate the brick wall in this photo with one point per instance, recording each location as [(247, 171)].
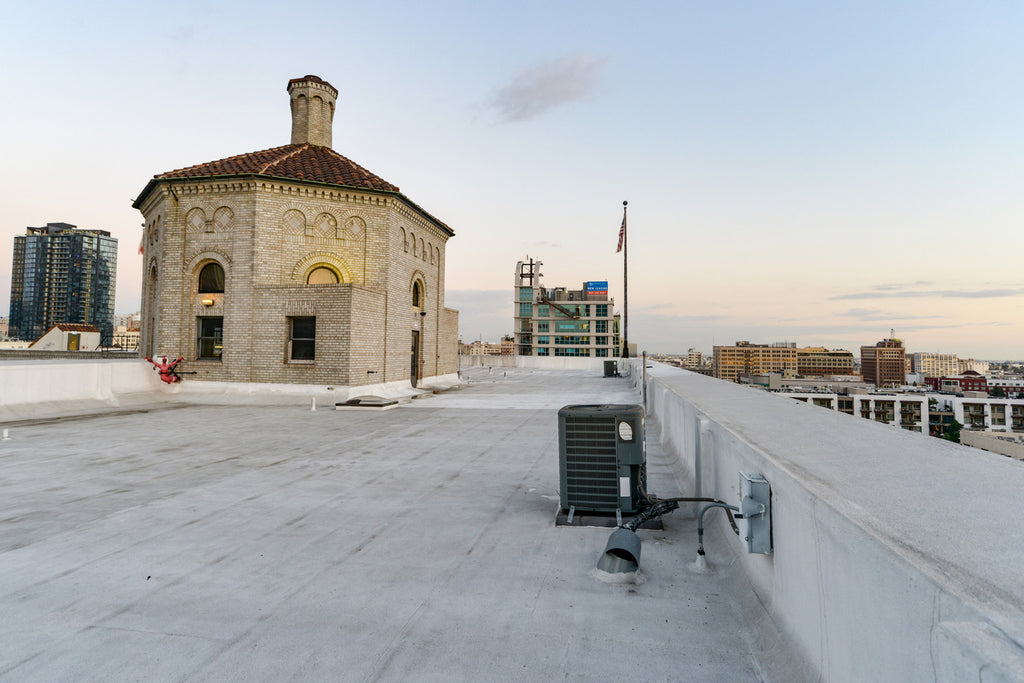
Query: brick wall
[(268, 235)]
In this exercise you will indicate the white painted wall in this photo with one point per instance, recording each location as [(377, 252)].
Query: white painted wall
[(37, 389), (30, 389), (896, 556), (537, 362)]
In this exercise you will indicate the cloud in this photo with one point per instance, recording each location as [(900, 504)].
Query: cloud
[(876, 314), (933, 294), (896, 286), (545, 86)]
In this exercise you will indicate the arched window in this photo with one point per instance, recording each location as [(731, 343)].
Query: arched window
[(417, 295), (322, 275), (211, 279)]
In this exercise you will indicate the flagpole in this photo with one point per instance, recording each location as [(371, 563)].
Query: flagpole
[(625, 284)]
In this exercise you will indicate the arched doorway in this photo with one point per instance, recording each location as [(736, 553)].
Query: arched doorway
[(418, 312)]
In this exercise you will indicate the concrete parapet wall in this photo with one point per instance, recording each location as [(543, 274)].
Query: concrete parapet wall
[(896, 555), (41, 389), (35, 354), (31, 389), (537, 362)]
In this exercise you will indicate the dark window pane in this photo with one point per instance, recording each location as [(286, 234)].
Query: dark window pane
[(210, 337), (211, 279), (303, 328), (303, 349), (303, 338)]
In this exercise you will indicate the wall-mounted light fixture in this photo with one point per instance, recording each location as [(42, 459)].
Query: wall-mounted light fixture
[(207, 302)]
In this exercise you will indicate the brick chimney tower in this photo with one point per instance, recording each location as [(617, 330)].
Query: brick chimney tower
[(312, 102)]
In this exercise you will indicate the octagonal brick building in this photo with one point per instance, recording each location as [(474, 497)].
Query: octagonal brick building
[(294, 265)]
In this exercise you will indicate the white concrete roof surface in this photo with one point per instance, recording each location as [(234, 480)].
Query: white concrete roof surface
[(277, 543)]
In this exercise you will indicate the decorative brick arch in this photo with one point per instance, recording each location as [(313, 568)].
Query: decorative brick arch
[(293, 222), (320, 258), (354, 227), (418, 277), (195, 220), (326, 225), (222, 219), (197, 262)]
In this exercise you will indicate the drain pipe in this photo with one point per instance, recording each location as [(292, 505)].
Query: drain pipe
[(622, 553)]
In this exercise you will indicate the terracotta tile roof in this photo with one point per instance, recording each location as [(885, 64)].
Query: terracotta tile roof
[(300, 162), (76, 327), (312, 163)]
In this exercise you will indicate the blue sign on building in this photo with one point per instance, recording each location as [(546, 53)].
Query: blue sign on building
[(597, 287)]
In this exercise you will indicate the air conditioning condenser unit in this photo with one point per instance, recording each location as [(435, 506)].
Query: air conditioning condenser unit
[(602, 457)]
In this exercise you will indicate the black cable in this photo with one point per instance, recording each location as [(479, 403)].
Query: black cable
[(654, 500), (653, 512)]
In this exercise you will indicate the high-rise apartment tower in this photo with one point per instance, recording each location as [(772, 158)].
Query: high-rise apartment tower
[(62, 275)]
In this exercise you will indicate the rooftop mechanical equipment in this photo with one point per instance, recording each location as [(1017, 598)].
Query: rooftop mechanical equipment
[(602, 458)]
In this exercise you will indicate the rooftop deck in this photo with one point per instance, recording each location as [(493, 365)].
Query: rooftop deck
[(227, 542)]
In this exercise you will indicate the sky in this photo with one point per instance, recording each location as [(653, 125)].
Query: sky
[(819, 173)]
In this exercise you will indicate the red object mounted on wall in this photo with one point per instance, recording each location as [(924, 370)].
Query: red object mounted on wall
[(166, 370)]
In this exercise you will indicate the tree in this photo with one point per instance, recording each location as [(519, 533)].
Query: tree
[(953, 431), (997, 392)]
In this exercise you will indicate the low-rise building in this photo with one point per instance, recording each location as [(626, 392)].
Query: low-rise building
[(918, 412), (817, 361), (987, 413), (694, 359), (69, 337), (934, 364), (505, 347), (745, 358), (907, 411), (124, 338), (1010, 446), (968, 381), (979, 366), (940, 420), (1011, 387)]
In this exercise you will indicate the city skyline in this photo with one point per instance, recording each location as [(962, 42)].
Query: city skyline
[(794, 172)]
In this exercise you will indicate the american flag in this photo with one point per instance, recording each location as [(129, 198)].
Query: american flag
[(622, 235)]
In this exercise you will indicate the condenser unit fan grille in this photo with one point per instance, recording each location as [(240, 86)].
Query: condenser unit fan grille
[(590, 462)]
